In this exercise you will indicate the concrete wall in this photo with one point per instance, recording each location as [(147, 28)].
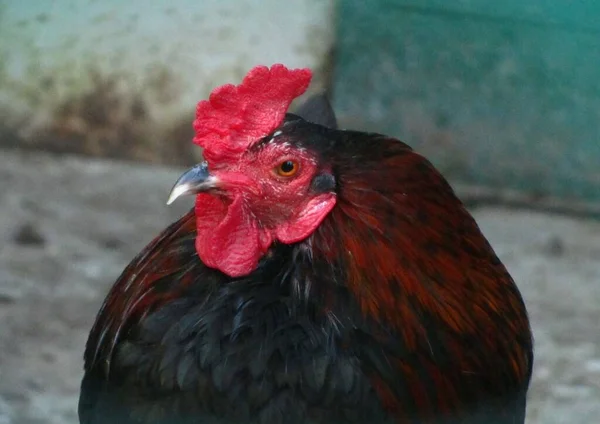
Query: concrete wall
[(121, 79), (502, 94)]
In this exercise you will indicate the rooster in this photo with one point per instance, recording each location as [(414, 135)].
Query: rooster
[(323, 276)]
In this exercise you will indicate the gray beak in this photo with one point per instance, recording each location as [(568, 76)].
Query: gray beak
[(195, 180)]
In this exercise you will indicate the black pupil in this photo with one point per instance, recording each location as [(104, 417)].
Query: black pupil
[(287, 166)]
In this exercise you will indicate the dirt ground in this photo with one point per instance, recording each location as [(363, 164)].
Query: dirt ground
[(68, 227)]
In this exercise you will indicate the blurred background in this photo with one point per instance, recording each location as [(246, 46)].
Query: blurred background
[(96, 104)]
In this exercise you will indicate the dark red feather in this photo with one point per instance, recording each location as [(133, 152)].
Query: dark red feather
[(135, 294), (419, 265)]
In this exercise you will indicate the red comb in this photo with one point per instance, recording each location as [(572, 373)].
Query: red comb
[(234, 117)]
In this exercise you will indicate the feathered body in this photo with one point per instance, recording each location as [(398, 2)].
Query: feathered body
[(394, 309)]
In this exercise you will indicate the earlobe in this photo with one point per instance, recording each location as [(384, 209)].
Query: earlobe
[(306, 222), (323, 183)]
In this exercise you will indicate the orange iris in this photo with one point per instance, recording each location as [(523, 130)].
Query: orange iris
[(287, 168)]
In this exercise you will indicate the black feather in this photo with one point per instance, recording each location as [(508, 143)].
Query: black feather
[(318, 110)]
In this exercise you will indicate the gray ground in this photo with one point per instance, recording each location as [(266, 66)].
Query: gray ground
[(69, 226)]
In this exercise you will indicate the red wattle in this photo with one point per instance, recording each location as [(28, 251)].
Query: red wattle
[(228, 237)]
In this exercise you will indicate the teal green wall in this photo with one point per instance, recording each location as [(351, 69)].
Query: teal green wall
[(498, 93)]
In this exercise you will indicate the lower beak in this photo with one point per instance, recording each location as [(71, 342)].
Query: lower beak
[(193, 181)]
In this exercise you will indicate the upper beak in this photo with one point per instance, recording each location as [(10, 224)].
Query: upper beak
[(194, 180)]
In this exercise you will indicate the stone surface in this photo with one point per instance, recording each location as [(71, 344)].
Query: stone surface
[(94, 216), (121, 79)]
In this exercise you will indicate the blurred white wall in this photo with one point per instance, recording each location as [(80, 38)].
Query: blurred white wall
[(115, 78)]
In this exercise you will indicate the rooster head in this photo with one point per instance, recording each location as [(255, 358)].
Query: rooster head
[(262, 181)]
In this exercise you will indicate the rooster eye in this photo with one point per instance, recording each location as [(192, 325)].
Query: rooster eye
[(287, 168)]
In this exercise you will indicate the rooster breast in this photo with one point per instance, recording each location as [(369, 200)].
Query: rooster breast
[(187, 347)]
